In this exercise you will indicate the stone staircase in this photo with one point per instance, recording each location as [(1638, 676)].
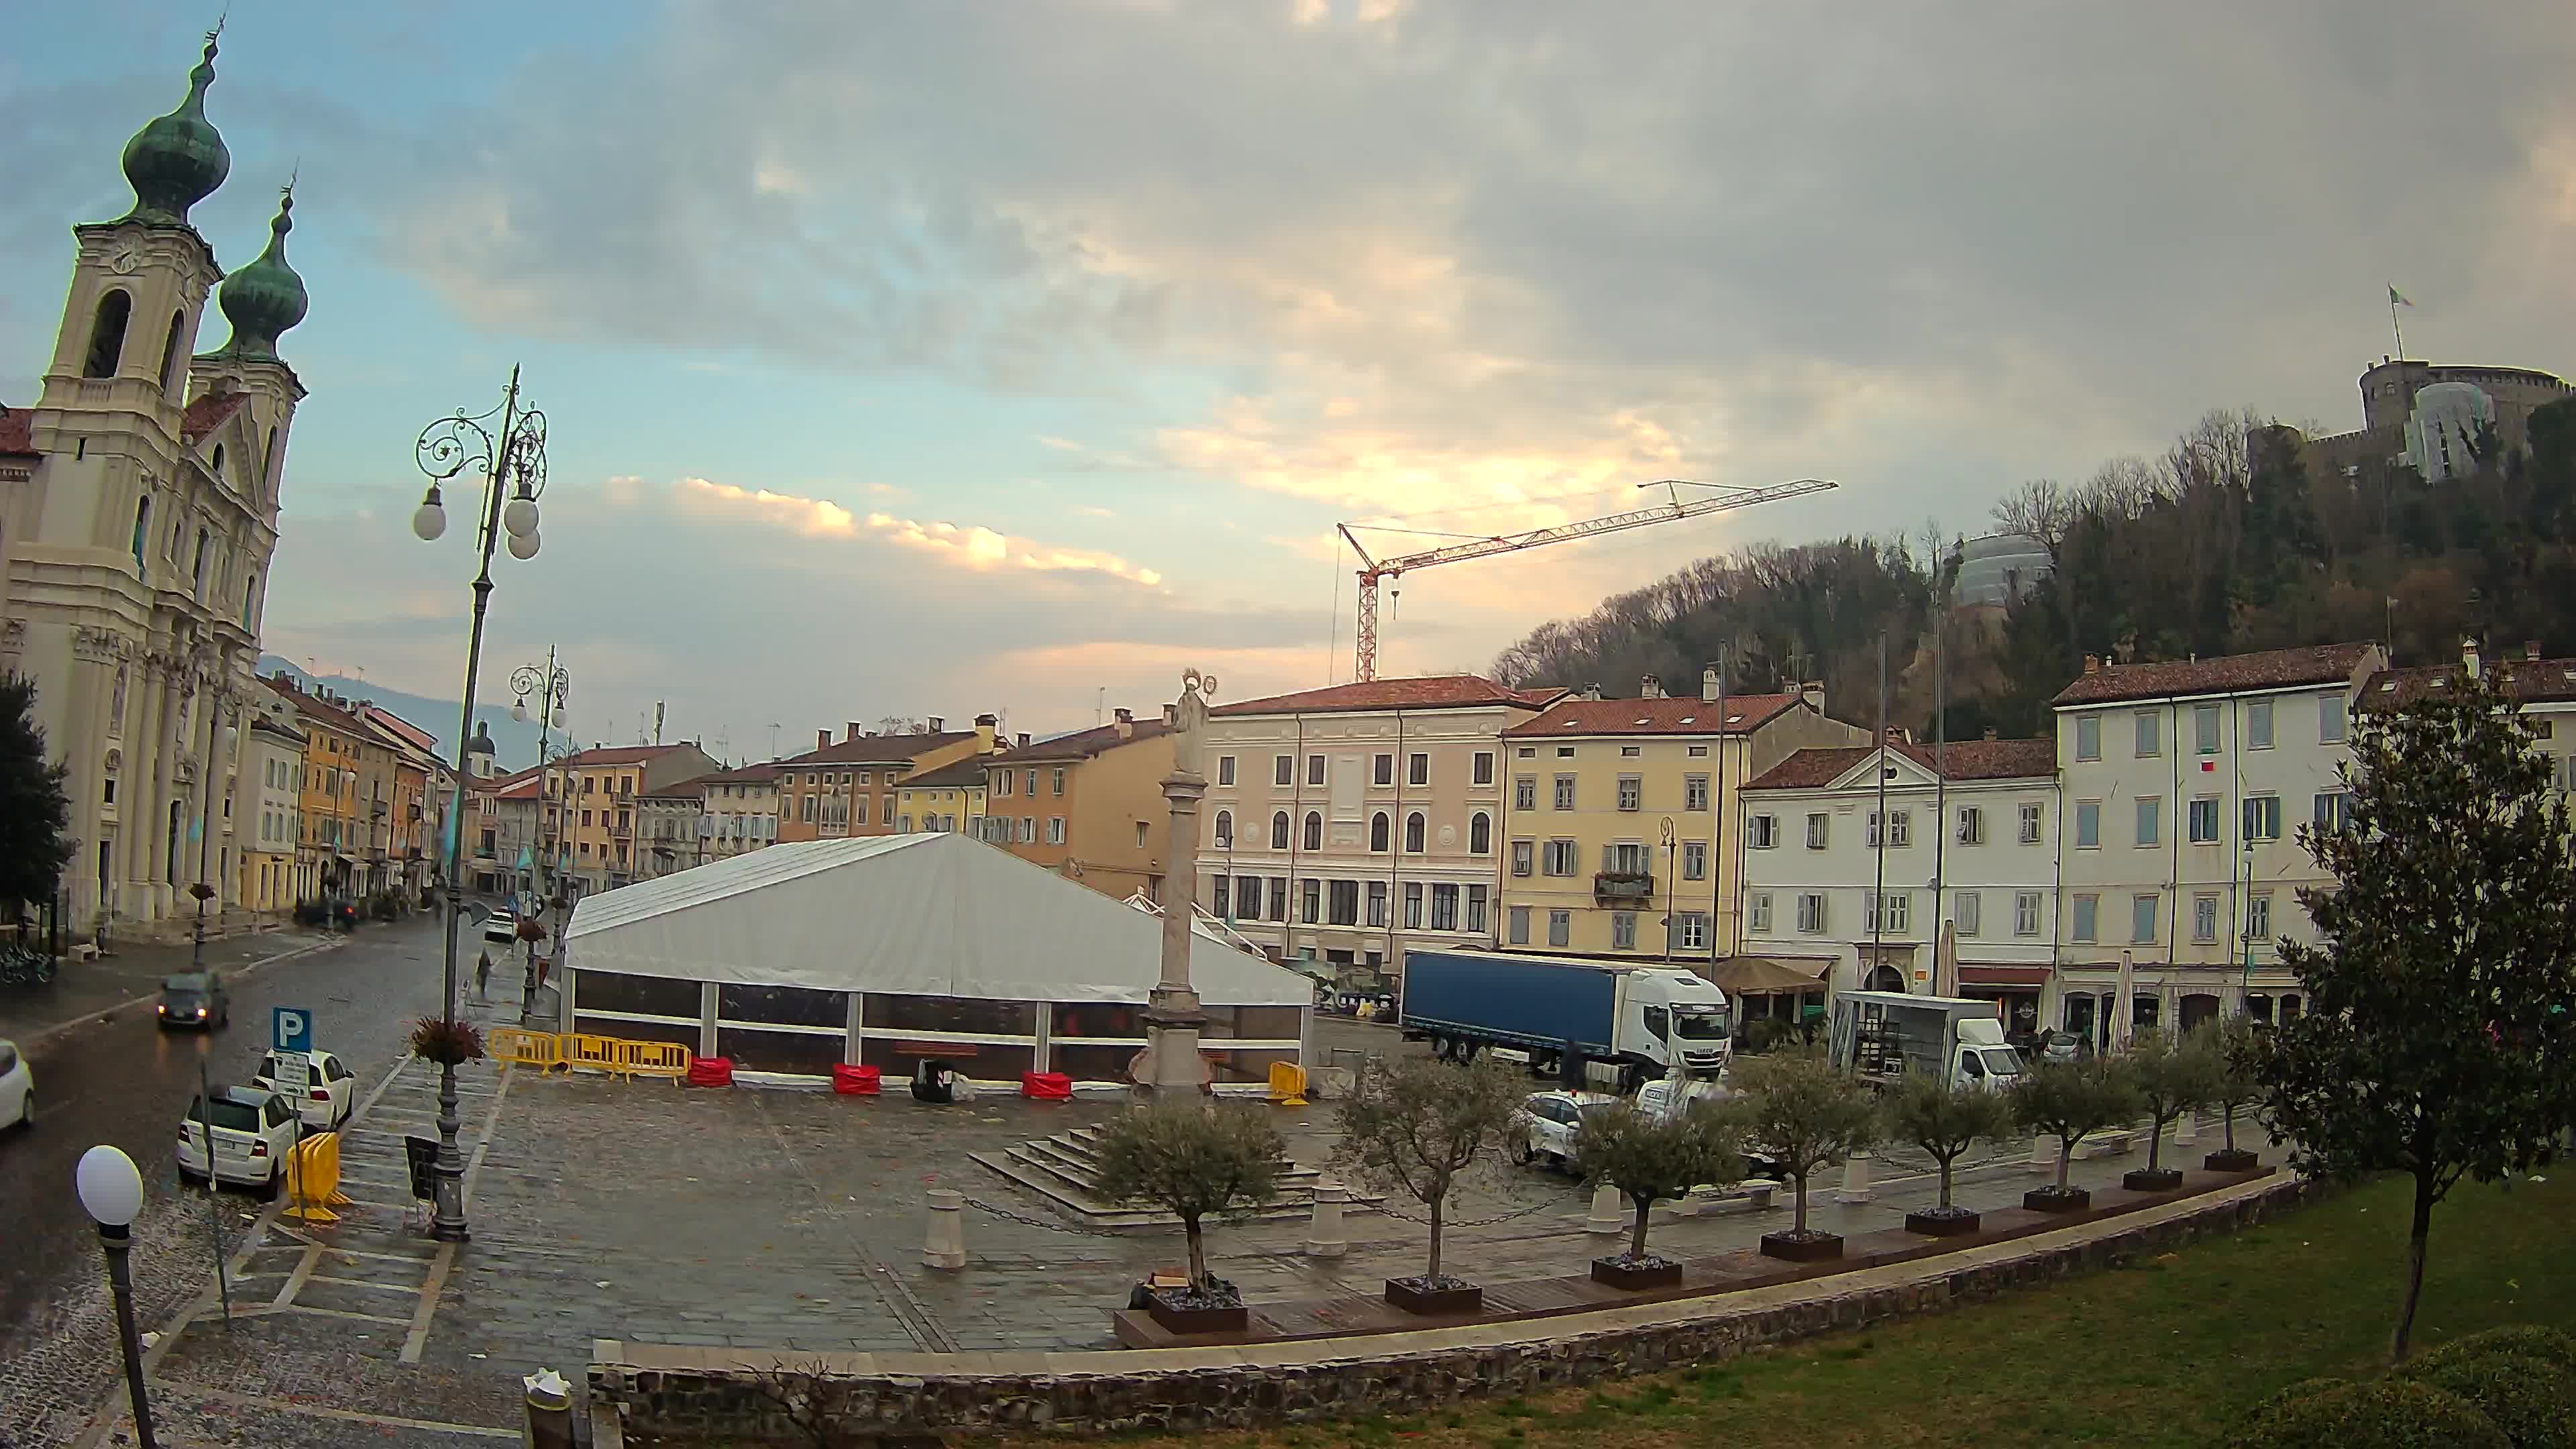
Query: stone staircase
[(1064, 1169)]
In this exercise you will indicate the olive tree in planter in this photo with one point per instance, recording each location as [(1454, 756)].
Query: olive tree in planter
[(1413, 1126), (1805, 1114), (2071, 1101), (2172, 1077), (1647, 1156), (2232, 1043), (1194, 1161), (1945, 1121)]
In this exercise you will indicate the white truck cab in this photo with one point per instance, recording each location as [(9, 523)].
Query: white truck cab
[(1678, 1019), (1885, 1036)]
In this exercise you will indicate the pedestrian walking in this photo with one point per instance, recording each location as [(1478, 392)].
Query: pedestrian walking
[(483, 976)]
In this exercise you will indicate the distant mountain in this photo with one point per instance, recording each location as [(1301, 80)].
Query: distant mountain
[(515, 743)]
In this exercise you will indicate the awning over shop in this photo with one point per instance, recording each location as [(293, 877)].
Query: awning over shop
[(938, 914), (1970, 975), (1761, 975)]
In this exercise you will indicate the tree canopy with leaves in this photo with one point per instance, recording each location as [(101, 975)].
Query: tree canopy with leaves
[(1194, 1161), (2172, 1076), (1412, 1125), (2071, 1101), (2439, 1040), (1945, 1119), (1647, 1156), (1805, 1114), (35, 814), (2236, 1044)]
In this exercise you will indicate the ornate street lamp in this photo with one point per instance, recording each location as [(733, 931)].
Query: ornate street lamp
[(513, 470), (111, 1192)]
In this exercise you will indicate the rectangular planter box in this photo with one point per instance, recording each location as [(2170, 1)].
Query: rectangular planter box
[(1433, 1300), (1613, 1273), (1802, 1250), (2049, 1200), (2160, 1179), (1933, 1225), (2223, 1160), (1233, 1318)]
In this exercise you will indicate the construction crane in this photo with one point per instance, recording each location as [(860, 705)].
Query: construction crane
[(1376, 570)]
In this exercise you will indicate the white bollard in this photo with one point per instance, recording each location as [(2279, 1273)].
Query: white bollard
[(2187, 1129), (1325, 1236), (945, 1247), (2043, 1154), (1609, 1215), (1855, 1186)]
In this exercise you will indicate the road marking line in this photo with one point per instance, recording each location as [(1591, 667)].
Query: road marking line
[(295, 1280), (427, 1309), (439, 1426), (363, 1283), (341, 1313)]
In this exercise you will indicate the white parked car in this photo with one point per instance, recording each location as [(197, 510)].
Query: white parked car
[(252, 1130), (17, 1088), (1553, 1117), (501, 927), (326, 1102)]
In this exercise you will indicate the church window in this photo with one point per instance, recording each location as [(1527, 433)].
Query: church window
[(198, 573), (250, 596), (107, 334), (218, 468), (142, 522), (170, 351)]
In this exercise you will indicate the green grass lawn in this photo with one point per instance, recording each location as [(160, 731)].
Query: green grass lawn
[(2160, 1353)]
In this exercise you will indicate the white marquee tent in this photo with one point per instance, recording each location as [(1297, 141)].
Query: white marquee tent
[(923, 942)]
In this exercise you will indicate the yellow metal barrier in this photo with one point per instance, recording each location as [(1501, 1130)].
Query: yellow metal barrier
[(580, 1049), (653, 1059), (313, 1179), (521, 1047), (1287, 1084)]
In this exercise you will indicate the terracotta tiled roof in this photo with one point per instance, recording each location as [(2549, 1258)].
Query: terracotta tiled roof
[(1438, 691), (1081, 744), (208, 412), (17, 431), (523, 787), (760, 774), (2228, 674), (315, 707), (1963, 760), (1692, 716), (602, 757), (965, 774), (876, 749), (2527, 680)]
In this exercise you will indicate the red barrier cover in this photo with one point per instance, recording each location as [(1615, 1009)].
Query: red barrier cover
[(711, 1072), (1046, 1086), (853, 1080)]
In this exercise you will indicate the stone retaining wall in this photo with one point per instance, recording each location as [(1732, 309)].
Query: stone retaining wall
[(715, 1392)]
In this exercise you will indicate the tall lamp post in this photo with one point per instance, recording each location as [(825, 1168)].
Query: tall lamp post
[(111, 1192), (551, 687), (1173, 1066), (219, 743), (513, 469)]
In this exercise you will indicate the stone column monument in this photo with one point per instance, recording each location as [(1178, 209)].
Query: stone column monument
[(1173, 1066)]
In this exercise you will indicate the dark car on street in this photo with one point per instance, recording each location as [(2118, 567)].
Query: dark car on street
[(195, 999)]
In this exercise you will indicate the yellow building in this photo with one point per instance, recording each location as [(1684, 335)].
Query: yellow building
[(854, 787), (1088, 805), (266, 815), (1620, 821), (331, 838), (593, 793), (949, 798)]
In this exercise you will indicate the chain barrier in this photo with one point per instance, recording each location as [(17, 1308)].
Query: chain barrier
[(1024, 1220), (1447, 1223)]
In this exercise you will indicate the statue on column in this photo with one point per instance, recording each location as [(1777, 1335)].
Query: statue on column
[(1189, 722)]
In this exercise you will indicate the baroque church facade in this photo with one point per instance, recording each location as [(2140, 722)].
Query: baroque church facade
[(138, 515)]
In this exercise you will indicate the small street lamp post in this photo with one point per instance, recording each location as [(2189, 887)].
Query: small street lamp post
[(513, 469), (111, 1192)]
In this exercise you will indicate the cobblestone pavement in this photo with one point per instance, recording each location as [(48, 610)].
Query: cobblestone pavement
[(786, 1220)]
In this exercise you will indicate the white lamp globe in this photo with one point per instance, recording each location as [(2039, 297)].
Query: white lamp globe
[(429, 520), (111, 1191), (519, 711), (524, 545), (519, 516)]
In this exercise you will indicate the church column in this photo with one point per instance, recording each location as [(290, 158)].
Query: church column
[(85, 745), (136, 794)]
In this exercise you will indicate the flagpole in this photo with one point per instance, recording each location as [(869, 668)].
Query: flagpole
[(2395, 326)]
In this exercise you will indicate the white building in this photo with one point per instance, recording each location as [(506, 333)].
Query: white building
[(1342, 825), (2184, 785), (1970, 841)]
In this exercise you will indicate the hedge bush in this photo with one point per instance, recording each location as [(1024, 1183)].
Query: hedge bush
[(2525, 1340), (2531, 1400), (2383, 1414)]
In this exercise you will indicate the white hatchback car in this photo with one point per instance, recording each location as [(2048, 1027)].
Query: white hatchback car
[(1553, 1118), (253, 1130), (328, 1099), (501, 928), (17, 1088)]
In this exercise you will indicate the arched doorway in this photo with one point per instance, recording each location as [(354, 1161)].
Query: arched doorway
[(1886, 978)]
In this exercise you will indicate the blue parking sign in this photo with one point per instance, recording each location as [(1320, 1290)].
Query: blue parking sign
[(290, 1029)]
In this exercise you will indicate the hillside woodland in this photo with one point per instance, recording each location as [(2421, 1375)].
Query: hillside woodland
[(2222, 543)]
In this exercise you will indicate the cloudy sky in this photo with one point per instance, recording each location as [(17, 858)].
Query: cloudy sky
[(937, 357)]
